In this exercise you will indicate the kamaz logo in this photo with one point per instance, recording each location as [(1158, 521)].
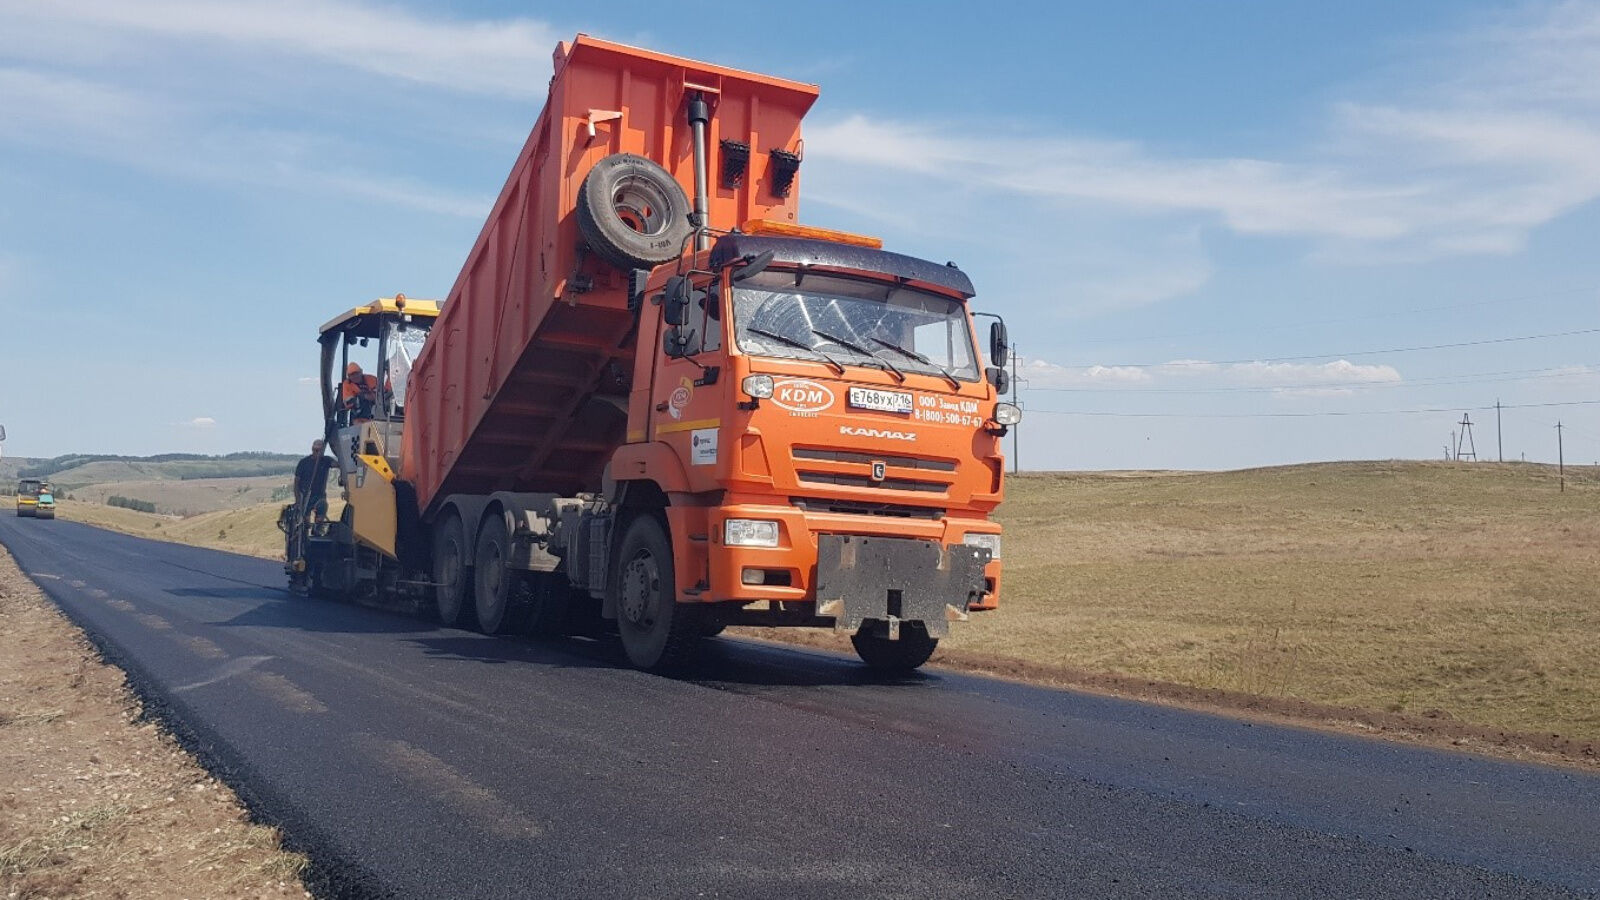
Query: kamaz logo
[(877, 433)]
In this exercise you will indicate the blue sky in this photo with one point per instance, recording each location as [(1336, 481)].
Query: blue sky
[(1199, 219)]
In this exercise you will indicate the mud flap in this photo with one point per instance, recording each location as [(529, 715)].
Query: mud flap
[(895, 580)]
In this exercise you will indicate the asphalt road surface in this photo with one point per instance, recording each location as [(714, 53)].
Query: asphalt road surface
[(419, 761)]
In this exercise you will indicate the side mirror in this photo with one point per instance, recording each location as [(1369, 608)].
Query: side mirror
[(675, 302), (999, 378), (753, 265), (999, 345)]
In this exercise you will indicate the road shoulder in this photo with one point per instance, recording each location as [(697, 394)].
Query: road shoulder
[(95, 800)]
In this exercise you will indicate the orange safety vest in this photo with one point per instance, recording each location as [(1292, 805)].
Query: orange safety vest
[(349, 390)]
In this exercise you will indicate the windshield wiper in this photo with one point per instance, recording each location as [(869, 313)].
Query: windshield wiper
[(784, 339), (912, 354), (889, 366)]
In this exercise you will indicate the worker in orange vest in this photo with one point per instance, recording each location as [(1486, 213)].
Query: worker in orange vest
[(358, 392)]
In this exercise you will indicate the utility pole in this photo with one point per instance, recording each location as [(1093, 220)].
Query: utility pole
[(1466, 437), (1499, 441), (1453, 451), (1561, 459), (1016, 394)]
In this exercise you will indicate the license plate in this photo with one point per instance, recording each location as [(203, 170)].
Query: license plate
[(886, 401)]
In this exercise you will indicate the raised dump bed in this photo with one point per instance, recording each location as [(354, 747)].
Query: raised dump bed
[(524, 384)]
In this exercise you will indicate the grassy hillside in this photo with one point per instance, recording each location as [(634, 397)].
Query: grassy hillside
[(77, 469), (252, 529), (9, 467), (190, 497), (1470, 591), (176, 483)]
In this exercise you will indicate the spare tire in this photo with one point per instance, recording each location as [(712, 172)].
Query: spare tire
[(632, 212)]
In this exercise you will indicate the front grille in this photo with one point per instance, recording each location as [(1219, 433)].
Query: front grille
[(851, 456), (865, 481), (866, 508)]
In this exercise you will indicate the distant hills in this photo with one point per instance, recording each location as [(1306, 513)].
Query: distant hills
[(94, 468), (179, 484)]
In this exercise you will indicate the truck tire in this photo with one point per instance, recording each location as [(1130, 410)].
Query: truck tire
[(632, 212), (450, 573), (495, 586), (904, 655), (658, 633)]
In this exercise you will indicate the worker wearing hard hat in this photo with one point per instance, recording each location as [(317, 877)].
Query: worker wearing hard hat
[(358, 392)]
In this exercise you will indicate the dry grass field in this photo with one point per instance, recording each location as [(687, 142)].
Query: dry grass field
[(1455, 592), (190, 497), (250, 529)]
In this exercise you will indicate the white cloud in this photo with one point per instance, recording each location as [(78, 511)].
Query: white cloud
[(200, 422), (1312, 393), (508, 57), (59, 109), (1040, 373), (1496, 136), (164, 137), (398, 192), (1271, 374), (1186, 374)]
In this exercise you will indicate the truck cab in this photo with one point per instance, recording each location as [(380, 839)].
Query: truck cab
[(836, 435)]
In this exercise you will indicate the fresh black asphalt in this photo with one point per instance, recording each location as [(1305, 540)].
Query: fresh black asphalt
[(419, 761)]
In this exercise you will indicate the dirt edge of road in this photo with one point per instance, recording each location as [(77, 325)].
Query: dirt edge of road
[(1439, 731), (97, 797)]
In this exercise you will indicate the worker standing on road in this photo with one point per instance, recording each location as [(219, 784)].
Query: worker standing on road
[(359, 392), (311, 483)]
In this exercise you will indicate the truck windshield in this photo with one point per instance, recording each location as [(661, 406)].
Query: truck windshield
[(853, 321)]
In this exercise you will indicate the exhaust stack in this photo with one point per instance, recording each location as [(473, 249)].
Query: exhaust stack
[(699, 116)]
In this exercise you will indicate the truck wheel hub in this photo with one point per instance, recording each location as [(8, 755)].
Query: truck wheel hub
[(641, 581)]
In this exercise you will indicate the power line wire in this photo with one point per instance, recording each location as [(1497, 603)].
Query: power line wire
[(1305, 415), (1433, 381), (1287, 326), (1271, 359)]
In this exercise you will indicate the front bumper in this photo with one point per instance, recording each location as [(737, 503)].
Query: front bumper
[(891, 580), (802, 558)]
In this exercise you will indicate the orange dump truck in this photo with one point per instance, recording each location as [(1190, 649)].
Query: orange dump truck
[(653, 396)]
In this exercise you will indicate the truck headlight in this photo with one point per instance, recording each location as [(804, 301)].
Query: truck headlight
[(1007, 413), (750, 533), (990, 542), (758, 387)]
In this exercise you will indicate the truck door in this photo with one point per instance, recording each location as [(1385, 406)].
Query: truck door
[(685, 408)]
